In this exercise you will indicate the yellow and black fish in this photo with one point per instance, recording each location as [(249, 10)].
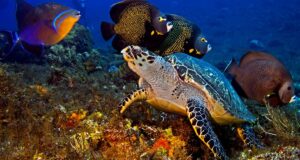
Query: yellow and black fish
[(43, 25), (132, 19), (184, 37)]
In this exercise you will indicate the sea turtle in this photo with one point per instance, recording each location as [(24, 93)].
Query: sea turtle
[(191, 87)]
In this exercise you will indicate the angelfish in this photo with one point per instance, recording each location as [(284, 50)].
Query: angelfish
[(262, 77), (133, 19), (43, 25)]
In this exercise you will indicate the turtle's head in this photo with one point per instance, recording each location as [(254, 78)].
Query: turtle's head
[(139, 59), (145, 63)]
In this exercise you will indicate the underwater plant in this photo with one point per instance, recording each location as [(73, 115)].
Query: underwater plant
[(286, 120)]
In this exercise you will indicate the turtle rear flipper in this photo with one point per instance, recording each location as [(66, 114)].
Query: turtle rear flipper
[(198, 116), (247, 135), (137, 95)]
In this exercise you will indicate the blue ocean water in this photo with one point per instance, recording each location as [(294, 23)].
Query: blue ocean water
[(230, 25)]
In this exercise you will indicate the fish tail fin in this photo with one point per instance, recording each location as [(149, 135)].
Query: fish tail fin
[(107, 30), (22, 8), (231, 67), (33, 49), (10, 40)]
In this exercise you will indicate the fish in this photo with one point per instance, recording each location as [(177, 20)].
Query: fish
[(263, 78), (81, 6), (132, 20), (185, 37), (44, 25)]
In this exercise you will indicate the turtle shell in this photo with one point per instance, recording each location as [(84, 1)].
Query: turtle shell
[(199, 72)]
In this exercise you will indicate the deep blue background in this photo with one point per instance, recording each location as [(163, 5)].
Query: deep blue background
[(228, 24)]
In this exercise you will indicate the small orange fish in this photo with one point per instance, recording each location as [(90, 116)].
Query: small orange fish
[(43, 25)]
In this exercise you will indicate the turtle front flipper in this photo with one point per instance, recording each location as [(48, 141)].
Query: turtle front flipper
[(198, 116), (247, 135), (137, 95)]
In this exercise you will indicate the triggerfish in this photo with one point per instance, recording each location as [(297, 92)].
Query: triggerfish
[(133, 19), (43, 25), (261, 77)]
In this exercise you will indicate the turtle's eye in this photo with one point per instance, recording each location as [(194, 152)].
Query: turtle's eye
[(289, 88), (203, 40)]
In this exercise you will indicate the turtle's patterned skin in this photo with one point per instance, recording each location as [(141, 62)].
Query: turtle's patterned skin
[(201, 73), (177, 85)]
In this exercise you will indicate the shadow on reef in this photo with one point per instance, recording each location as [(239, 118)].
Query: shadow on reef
[(66, 108)]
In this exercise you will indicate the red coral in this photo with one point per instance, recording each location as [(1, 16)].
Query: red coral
[(161, 143)]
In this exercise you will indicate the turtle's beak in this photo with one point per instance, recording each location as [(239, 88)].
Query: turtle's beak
[(131, 53), (127, 53)]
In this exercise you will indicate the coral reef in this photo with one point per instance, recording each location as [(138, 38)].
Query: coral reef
[(285, 120), (67, 108), (280, 121), (287, 152), (80, 38)]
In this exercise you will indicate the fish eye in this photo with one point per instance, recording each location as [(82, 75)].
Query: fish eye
[(289, 88), (161, 19), (203, 40), (198, 52)]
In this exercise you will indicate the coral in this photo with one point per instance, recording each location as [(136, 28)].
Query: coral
[(76, 50), (161, 143), (167, 146), (75, 118), (79, 142), (287, 152), (285, 120), (40, 90), (39, 156)]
